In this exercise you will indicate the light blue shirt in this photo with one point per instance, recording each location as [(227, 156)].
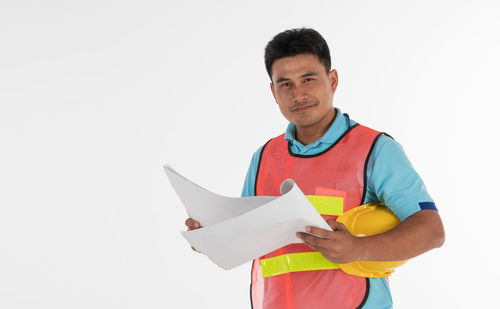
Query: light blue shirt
[(391, 180)]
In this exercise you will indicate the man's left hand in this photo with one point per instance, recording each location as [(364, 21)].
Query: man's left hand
[(339, 246)]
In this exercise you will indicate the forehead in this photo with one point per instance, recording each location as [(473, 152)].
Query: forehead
[(290, 67)]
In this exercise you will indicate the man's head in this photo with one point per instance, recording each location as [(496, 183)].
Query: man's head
[(295, 42), (298, 62)]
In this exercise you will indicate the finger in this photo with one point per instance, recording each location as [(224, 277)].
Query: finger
[(315, 243), (314, 247), (195, 249), (336, 226), (192, 224), (318, 231)]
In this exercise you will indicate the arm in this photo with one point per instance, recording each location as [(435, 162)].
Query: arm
[(419, 233), (393, 181)]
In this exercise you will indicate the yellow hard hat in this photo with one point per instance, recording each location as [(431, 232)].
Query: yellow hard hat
[(366, 220)]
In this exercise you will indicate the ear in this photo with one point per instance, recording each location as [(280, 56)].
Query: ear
[(273, 91), (334, 80)]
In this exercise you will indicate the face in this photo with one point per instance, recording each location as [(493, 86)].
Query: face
[(303, 90)]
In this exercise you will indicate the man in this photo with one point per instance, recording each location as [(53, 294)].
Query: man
[(326, 153)]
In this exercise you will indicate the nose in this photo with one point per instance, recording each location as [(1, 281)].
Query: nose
[(299, 93)]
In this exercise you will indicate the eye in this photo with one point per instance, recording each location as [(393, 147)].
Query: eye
[(308, 80), (286, 84)]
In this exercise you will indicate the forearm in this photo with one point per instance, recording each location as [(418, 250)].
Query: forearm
[(417, 234)]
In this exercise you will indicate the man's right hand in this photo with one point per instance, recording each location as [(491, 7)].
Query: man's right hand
[(192, 225)]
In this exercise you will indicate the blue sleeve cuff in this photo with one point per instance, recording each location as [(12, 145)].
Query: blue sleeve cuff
[(427, 205)]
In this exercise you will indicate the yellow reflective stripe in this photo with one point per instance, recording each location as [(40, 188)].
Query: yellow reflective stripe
[(293, 262), (327, 205)]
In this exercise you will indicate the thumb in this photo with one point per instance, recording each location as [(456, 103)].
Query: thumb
[(336, 226)]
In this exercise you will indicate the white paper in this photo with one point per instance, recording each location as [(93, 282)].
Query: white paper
[(237, 230), (207, 207)]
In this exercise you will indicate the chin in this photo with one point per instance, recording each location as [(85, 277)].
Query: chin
[(304, 123)]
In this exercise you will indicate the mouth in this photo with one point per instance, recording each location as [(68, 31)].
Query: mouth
[(303, 108)]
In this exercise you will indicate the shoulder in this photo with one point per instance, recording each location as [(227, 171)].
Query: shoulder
[(258, 153), (387, 148), (277, 141), (249, 185)]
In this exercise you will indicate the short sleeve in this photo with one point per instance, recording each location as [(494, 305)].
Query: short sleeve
[(392, 180), (249, 185)]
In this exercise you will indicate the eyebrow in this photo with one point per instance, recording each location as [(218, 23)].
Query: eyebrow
[(308, 74), (283, 79)]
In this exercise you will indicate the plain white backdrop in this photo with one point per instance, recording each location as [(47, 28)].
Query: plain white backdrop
[(95, 96)]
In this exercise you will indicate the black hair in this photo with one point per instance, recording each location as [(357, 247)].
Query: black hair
[(295, 42)]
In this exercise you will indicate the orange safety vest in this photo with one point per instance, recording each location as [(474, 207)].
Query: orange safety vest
[(339, 171)]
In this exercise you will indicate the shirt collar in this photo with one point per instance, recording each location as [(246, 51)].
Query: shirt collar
[(337, 128)]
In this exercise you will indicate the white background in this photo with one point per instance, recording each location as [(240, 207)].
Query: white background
[(95, 96)]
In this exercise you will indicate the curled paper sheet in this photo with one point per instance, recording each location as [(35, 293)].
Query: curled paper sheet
[(237, 230)]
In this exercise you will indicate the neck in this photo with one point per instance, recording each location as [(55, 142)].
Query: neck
[(309, 134)]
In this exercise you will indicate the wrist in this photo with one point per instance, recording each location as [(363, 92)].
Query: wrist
[(362, 248)]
